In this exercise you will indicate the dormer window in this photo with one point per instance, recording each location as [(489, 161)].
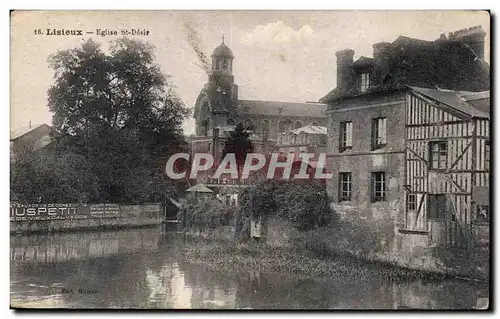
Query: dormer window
[(364, 82)]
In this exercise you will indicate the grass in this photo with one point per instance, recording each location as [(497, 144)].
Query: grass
[(254, 256)]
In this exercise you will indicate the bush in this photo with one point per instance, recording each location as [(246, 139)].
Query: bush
[(304, 203), (202, 215)]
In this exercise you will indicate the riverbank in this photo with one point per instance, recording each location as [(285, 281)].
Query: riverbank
[(256, 256)]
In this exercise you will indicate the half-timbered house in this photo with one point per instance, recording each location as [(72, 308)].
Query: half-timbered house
[(446, 167)]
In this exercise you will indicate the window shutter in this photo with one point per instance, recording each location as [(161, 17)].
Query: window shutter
[(341, 133), (383, 130), (374, 136), (372, 195), (349, 134)]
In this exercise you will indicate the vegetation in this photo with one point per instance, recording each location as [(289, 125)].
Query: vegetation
[(200, 215), (230, 256), (239, 144), (303, 203), (118, 120)]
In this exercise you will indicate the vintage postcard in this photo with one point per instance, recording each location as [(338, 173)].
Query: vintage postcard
[(334, 160)]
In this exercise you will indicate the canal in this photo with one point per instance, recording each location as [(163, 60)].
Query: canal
[(144, 268)]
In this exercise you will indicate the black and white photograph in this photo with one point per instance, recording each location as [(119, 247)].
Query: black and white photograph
[(250, 160)]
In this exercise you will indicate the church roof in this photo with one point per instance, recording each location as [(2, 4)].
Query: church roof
[(223, 50), (282, 108)]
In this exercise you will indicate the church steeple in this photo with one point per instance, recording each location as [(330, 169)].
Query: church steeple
[(222, 59)]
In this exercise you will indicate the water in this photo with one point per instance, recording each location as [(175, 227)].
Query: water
[(144, 268)]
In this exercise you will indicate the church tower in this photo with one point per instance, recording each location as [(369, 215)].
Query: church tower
[(221, 74), (217, 100)]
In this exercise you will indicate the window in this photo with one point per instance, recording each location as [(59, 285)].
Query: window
[(345, 187), (246, 109), (438, 154), (314, 124), (379, 132), (345, 136), (248, 125), (225, 65), (281, 127), (206, 126), (437, 207), (487, 155), (482, 214), (364, 82), (298, 124), (411, 202), (266, 128), (378, 187), (230, 122)]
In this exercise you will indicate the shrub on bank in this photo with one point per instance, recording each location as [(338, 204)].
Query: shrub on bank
[(304, 204), (200, 215)]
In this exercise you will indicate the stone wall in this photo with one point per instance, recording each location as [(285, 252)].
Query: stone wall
[(133, 216)]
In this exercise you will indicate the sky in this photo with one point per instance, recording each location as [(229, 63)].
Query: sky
[(279, 55)]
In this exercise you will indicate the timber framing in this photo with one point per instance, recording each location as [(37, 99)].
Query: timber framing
[(426, 121)]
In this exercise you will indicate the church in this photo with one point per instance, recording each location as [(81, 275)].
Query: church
[(218, 110)]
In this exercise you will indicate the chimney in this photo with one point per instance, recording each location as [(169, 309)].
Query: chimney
[(344, 68), (381, 56), (473, 37)]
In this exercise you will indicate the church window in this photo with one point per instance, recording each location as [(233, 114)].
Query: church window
[(248, 125), (266, 128), (225, 65), (230, 122), (206, 126), (281, 127)]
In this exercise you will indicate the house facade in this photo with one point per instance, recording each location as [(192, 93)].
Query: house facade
[(408, 144)]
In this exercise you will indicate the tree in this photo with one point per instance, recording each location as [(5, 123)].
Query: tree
[(121, 113), (50, 177), (239, 144)]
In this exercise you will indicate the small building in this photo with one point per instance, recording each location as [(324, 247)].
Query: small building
[(200, 191), (29, 139)]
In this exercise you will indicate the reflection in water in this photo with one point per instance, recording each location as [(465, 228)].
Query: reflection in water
[(144, 268)]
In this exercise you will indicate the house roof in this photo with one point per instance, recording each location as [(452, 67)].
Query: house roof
[(310, 129), (282, 108), (472, 96), (17, 132), (451, 99), (199, 188), (428, 64), (362, 61)]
